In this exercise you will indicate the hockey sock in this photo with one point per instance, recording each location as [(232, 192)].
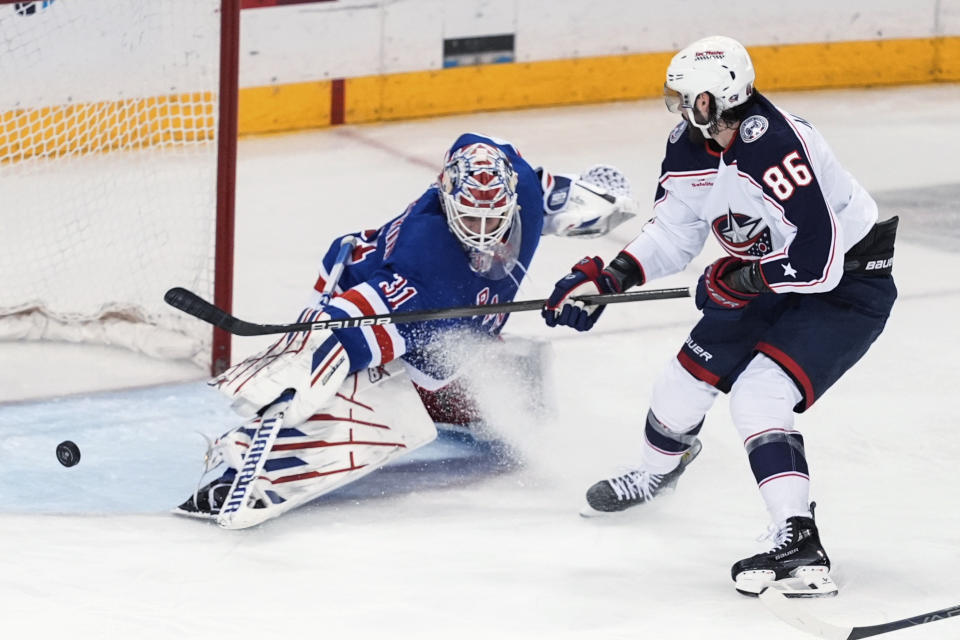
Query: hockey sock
[(663, 446), (761, 403)]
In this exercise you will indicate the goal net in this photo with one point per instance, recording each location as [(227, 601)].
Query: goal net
[(109, 149)]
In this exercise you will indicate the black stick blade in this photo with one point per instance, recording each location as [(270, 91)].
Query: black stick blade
[(192, 304)]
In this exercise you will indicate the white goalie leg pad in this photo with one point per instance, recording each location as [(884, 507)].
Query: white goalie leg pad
[(375, 417)]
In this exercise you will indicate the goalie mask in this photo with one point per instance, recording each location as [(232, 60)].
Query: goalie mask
[(478, 191), (717, 65)]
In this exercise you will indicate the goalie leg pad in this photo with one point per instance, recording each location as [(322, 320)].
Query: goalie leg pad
[(376, 416)]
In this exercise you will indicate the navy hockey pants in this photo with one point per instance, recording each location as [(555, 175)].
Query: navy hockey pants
[(815, 337)]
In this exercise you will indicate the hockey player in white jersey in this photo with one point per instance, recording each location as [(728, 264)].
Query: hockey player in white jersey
[(804, 290), (328, 407)]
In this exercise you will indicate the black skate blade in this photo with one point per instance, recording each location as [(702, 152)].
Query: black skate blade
[(189, 509), (586, 511), (192, 513)]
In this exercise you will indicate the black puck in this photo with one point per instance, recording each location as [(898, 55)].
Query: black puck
[(68, 453)]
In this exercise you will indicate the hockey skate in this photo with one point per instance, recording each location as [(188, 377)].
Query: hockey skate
[(797, 564), (635, 487), (206, 501)]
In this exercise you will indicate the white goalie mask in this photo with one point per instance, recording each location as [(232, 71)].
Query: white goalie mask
[(717, 65), (478, 191)]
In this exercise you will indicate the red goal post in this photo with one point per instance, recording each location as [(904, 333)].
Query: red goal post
[(118, 138)]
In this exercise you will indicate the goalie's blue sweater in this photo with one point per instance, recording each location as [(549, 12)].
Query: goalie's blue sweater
[(414, 263)]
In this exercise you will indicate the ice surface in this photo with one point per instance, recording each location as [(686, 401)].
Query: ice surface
[(485, 542)]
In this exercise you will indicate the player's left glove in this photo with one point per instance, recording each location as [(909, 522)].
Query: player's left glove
[(729, 284), (313, 363), (587, 277)]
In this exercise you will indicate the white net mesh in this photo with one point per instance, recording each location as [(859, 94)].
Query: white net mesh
[(108, 165)]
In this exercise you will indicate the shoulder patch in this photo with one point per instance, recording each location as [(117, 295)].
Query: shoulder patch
[(753, 127), (677, 132)]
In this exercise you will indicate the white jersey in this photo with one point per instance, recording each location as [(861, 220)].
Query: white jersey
[(776, 194)]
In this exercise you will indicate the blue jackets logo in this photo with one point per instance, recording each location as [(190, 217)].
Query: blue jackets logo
[(752, 128)]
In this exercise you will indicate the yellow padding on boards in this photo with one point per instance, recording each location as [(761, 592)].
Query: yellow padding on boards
[(629, 77), (856, 64), (503, 86), (56, 130), (287, 107)]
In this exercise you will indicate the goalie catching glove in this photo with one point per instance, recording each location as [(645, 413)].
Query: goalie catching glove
[(312, 363), (587, 205)]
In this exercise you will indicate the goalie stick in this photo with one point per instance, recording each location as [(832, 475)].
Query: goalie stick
[(237, 512), (189, 302), (787, 610), (346, 246)]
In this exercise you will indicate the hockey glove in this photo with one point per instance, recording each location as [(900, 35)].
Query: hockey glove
[(587, 277), (729, 285), (312, 363), (586, 206)]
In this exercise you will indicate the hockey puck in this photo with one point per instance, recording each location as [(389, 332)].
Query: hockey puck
[(68, 453)]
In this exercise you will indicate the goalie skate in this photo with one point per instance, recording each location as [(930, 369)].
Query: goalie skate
[(797, 565), (206, 501), (635, 487)]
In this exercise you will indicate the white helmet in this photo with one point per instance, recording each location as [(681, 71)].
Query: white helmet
[(718, 65), (478, 191)]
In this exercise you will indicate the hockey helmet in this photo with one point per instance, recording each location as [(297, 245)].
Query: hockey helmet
[(478, 191), (717, 65)]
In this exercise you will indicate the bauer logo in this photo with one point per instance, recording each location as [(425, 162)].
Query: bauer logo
[(752, 128), (874, 265), (781, 556), (697, 349)]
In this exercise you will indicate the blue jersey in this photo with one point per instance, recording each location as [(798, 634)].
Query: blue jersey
[(414, 263)]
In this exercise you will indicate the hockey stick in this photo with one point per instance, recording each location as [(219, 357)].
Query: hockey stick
[(785, 609), (346, 246), (236, 512), (189, 302)]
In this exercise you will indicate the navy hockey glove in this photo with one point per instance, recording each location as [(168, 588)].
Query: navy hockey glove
[(587, 277), (729, 284)]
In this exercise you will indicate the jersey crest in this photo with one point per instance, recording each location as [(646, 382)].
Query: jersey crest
[(752, 128), (742, 235)]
